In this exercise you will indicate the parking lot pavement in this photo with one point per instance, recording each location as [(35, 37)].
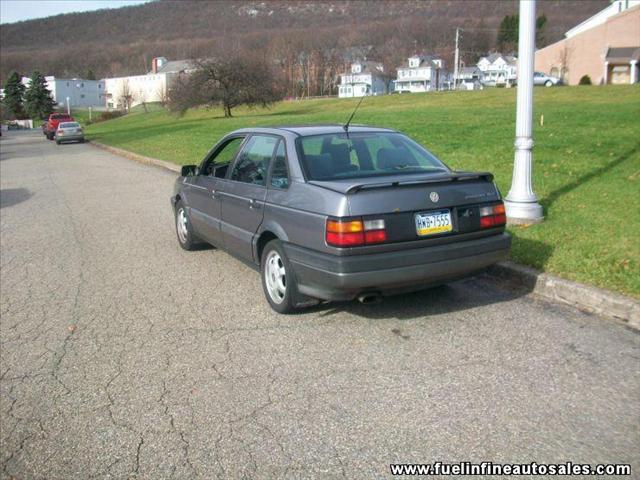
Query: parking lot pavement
[(124, 356)]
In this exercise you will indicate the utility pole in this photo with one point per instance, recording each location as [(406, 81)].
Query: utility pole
[(456, 59), (521, 202)]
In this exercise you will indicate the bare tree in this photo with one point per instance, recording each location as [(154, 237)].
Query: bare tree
[(564, 57), (230, 80), (125, 96)]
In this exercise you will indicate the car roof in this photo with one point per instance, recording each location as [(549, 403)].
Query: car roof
[(309, 130)]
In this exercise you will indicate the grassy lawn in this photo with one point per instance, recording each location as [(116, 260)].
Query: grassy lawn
[(587, 160)]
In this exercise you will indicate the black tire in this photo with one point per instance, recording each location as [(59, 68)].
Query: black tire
[(287, 303), (58, 142), (186, 238), (548, 83), (82, 140)]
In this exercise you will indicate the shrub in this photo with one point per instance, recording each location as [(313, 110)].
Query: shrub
[(585, 80), (104, 116)]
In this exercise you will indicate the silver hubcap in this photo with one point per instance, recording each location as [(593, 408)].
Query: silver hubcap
[(181, 225), (275, 277)]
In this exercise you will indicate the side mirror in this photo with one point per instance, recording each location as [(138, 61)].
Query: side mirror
[(188, 170)]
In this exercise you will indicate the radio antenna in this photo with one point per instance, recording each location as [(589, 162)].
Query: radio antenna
[(346, 125)]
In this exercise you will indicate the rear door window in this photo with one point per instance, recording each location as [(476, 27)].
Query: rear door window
[(253, 161), (279, 171)]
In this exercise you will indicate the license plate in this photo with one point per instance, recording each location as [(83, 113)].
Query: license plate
[(433, 223)]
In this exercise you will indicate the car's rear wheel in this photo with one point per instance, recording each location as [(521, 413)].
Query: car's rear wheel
[(278, 281), (184, 232), (58, 142)]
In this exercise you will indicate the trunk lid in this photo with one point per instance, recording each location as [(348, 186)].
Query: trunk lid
[(413, 193)]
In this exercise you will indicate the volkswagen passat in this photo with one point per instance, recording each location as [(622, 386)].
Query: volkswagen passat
[(332, 214)]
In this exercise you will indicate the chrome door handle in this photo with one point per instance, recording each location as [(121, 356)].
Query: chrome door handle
[(253, 204), (215, 194)]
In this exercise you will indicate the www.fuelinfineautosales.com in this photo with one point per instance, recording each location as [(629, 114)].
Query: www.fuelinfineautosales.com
[(489, 468)]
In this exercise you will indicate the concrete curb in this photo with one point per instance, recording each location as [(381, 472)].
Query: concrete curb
[(172, 167), (584, 297)]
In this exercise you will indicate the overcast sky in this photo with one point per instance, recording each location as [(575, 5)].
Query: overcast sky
[(16, 10)]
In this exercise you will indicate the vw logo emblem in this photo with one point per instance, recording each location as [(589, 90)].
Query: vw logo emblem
[(434, 197)]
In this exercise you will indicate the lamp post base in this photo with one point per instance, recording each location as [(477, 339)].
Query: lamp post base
[(521, 213)]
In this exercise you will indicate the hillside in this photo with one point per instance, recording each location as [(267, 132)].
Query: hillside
[(123, 41)]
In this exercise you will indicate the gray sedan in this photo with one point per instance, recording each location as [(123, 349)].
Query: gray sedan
[(540, 78), (69, 132), (335, 213)]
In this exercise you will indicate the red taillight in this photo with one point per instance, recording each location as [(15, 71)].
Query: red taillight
[(345, 234), (493, 216), (375, 236), (353, 233)]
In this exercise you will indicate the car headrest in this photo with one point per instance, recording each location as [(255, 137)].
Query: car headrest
[(389, 158), (320, 166), (339, 154)]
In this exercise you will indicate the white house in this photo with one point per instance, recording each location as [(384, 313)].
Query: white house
[(469, 78), (498, 69), (150, 87), (80, 92), (364, 79), (423, 74)]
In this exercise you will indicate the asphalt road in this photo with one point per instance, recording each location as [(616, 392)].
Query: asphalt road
[(124, 356)]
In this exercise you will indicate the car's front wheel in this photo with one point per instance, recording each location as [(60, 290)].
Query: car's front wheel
[(548, 83), (278, 282), (184, 232)]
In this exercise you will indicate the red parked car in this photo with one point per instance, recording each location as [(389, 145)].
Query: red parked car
[(52, 124)]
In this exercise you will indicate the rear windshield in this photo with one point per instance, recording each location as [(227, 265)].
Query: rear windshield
[(364, 154), (69, 125), (59, 117)]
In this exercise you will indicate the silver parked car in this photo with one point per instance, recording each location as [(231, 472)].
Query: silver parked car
[(335, 213), (540, 78), (69, 132)]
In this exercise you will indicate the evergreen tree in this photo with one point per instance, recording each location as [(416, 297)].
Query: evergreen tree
[(37, 99), (14, 95), (508, 32), (91, 75), (541, 21)]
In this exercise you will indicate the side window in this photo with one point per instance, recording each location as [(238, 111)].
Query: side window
[(218, 165), (253, 161), (279, 173)]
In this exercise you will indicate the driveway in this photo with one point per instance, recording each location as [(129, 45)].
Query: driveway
[(123, 356)]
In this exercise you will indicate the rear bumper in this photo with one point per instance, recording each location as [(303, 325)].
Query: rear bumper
[(332, 277), (69, 138)]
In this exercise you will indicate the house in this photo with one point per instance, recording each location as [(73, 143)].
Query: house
[(469, 78), (604, 47), (498, 70), (364, 79), (423, 74), (79, 91), (126, 92)]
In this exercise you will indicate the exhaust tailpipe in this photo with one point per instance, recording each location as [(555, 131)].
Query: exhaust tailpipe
[(369, 297)]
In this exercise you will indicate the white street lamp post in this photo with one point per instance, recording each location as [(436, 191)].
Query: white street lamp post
[(521, 202)]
